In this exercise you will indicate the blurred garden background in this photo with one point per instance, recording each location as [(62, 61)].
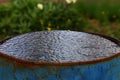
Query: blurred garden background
[(22, 16)]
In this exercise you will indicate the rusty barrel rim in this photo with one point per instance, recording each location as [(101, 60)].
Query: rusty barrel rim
[(28, 63)]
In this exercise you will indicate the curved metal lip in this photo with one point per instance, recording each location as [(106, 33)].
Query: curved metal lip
[(27, 62)]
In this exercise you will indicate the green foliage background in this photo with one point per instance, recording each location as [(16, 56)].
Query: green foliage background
[(22, 16)]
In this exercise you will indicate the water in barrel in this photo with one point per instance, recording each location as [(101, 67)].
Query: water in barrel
[(59, 46)]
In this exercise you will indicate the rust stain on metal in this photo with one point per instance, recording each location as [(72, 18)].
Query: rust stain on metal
[(29, 64)]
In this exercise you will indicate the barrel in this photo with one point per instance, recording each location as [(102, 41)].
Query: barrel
[(60, 55)]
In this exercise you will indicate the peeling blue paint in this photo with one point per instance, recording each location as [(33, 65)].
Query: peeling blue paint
[(108, 70)]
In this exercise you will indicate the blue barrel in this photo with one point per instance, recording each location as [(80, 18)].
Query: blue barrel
[(108, 68)]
